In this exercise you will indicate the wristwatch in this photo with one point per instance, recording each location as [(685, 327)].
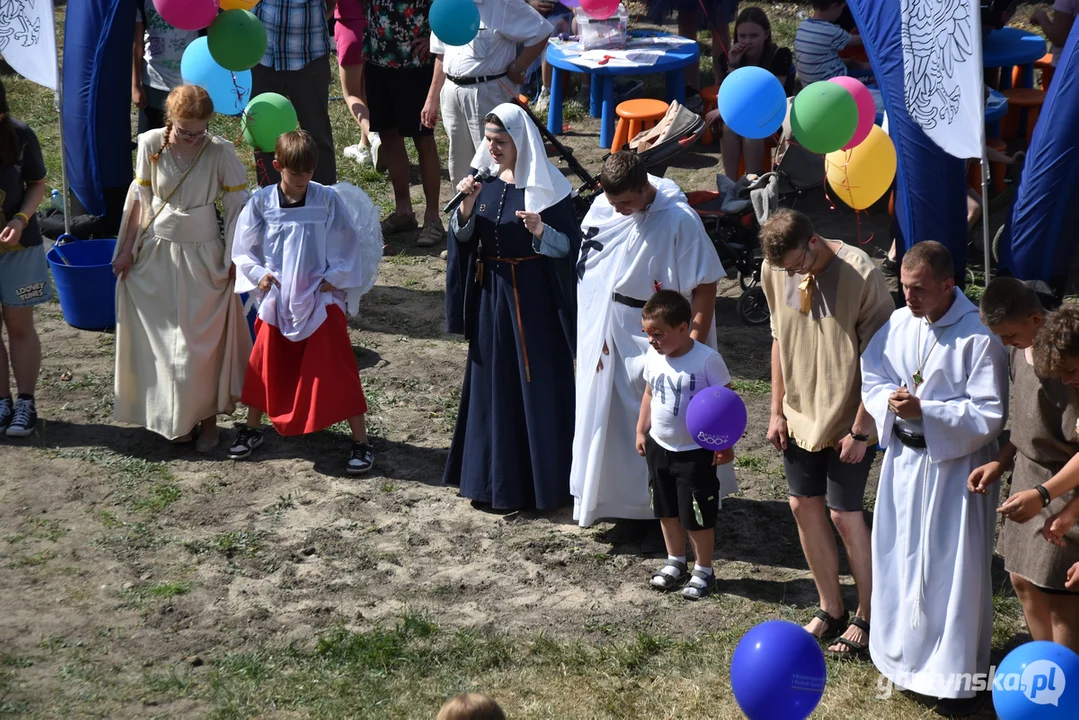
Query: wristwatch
[(859, 438)]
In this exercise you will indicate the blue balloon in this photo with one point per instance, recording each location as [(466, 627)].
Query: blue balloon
[(1037, 681), (230, 91), (778, 672), (752, 102), (455, 22)]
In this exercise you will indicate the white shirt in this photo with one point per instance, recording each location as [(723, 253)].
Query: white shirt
[(163, 47), (503, 25), (674, 382)]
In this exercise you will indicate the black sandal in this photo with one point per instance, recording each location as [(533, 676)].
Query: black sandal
[(833, 626), (665, 581), (857, 650)]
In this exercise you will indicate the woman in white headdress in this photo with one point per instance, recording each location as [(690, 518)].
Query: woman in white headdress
[(511, 290)]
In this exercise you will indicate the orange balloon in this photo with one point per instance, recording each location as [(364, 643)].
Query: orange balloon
[(238, 4)]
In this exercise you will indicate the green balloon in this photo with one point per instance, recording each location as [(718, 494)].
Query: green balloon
[(824, 117), (237, 40), (266, 118)]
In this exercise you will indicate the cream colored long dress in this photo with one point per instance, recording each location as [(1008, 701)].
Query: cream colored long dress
[(182, 341)]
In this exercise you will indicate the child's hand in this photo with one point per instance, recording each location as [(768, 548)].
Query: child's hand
[(268, 282), (326, 287), (640, 442), (1057, 525), (712, 117), (1073, 577), (722, 457), (982, 477), (1022, 506)]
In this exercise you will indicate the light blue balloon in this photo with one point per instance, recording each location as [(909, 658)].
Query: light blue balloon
[(752, 102), (230, 91), (455, 22), (1037, 681)]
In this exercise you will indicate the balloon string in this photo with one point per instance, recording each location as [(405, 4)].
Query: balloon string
[(715, 33)]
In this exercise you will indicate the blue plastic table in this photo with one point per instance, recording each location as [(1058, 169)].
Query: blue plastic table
[(672, 64), (1010, 46)]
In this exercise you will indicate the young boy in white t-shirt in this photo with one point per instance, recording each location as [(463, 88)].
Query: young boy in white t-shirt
[(681, 475)]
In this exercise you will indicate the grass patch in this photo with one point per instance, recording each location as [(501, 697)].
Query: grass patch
[(752, 387), (34, 560), (38, 529), (143, 595), (752, 462), (231, 544)]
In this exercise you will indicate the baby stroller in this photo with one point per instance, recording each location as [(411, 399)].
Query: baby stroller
[(732, 216), (680, 130)]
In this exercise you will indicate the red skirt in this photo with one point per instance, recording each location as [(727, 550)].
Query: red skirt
[(305, 386)]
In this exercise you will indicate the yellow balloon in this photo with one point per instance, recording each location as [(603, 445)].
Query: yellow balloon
[(860, 176), (238, 4)]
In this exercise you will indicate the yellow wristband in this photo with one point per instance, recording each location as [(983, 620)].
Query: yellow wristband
[(24, 217)]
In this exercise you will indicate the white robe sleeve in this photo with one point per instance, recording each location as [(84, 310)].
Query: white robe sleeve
[(697, 261), (233, 178), (344, 259), (355, 264), (959, 427), (248, 248), (878, 383)]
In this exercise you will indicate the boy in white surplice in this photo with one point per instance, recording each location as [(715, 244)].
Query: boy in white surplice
[(299, 251)]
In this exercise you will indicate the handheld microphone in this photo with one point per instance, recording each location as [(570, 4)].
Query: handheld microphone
[(481, 175)]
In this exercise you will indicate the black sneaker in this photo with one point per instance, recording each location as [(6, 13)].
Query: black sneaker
[(23, 418), (247, 439), (362, 459), (7, 409)]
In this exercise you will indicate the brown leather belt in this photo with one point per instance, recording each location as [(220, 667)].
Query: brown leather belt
[(513, 263)]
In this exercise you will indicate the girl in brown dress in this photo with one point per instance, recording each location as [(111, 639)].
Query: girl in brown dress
[(1043, 452)]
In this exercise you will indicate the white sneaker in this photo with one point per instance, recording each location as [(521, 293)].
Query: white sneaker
[(542, 101), (377, 159), (358, 153)]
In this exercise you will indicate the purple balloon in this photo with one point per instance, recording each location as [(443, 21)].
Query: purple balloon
[(716, 418), (572, 3)]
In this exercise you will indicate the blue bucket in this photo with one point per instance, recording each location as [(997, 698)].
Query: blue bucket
[(85, 282)]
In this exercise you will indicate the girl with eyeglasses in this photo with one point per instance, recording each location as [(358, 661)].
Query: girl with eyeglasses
[(182, 341)]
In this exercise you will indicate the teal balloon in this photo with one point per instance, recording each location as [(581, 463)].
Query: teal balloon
[(229, 91), (266, 118), (824, 117), (237, 40), (455, 22)]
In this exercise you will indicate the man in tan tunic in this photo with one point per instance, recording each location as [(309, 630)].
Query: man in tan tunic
[(827, 300)]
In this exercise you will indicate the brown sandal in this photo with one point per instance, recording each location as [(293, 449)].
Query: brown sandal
[(395, 223), (431, 235)]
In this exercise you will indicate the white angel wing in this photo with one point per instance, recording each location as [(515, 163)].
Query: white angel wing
[(364, 214)]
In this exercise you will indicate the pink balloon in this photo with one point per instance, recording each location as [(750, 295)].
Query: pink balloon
[(599, 9), (867, 109), (187, 14)]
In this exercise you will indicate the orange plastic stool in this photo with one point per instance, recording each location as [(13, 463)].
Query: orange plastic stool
[(635, 116), (1021, 100), (1045, 65), (997, 171), (710, 96)]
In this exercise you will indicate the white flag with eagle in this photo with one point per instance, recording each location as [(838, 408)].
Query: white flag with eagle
[(942, 72), (28, 40)]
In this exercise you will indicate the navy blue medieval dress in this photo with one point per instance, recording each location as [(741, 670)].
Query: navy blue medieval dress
[(513, 440)]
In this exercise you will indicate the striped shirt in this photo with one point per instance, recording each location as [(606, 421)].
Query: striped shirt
[(816, 50), (296, 32)]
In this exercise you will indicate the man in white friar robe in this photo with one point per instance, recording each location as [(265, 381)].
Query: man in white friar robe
[(639, 237), (935, 381)]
